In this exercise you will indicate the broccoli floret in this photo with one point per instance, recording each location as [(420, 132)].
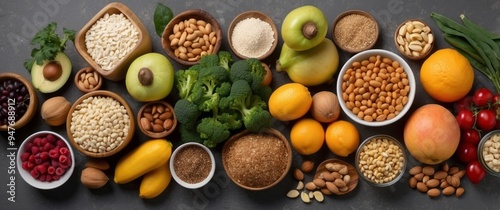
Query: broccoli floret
[(264, 92), (208, 81), (250, 70), (187, 112), (251, 107), (224, 89), (225, 59), (231, 119), (185, 80), (209, 60), (258, 72), (189, 134), (212, 131)]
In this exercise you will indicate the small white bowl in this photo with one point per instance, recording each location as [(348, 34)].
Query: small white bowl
[(182, 182), (26, 174), (384, 54)]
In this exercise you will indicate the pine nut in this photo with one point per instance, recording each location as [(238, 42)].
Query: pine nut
[(414, 39)]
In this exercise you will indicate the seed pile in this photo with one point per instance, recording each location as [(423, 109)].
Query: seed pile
[(157, 118), (252, 37), (88, 79), (414, 38), (375, 89), (99, 124), (192, 164), (355, 32), (110, 39), (491, 152), (446, 181), (192, 38), (256, 160)]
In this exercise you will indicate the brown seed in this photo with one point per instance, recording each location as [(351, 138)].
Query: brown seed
[(336, 167), (419, 176), (446, 167), (422, 187), (158, 121), (149, 116), (460, 174), (145, 123), (415, 170), (325, 191), (444, 184), (428, 170), (298, 175), (453, 170), (328, 176), (336, 175), (455, 181), (425, 179), (440, 175), (164, 116), (343, 170), (332, 187), (158, 128), (459, 192), (449, 190), (433, 193), (311, 186), (432, 183), (167, 124), (413, 182), (307, 166), (448, 179), (320, 183), (339, 183)]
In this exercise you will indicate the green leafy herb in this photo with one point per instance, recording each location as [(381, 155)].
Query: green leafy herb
[(49, 44), (162, 17)]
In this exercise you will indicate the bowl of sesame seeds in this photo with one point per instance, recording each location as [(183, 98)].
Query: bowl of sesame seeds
[(354, 31)]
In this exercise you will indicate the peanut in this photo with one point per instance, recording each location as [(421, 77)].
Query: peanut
[(190, 37)]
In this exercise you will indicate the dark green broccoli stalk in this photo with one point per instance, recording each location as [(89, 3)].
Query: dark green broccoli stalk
[(184, 81), (225, 59), (186, 112), (212, 131)]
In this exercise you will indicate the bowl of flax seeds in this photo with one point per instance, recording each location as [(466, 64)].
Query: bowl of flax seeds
[(192, 165), (354, 31)]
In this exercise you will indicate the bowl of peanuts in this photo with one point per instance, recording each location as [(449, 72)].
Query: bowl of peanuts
[(156, 119), (88, 79), (381, 160), (414, 39), (376, 87), (488, 152), (190, 35), (112, 39), (100, 124)]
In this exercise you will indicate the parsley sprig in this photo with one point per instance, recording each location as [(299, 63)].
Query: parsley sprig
[(49, 44)]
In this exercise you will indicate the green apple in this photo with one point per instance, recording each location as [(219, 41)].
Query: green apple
[(150, 77)]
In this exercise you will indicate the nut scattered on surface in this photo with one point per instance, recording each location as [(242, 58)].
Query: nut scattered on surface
[(435, 183), (298, 175), (414, 38), (305, 197), (93, 178), (55, 110), (293, 194), (307, 166)]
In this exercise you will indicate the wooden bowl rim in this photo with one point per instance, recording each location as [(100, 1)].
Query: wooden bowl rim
[(397, 45), (270, 131), (127, 139), (192, 13), (351, 171), (156, 134), (77, 78), (359, 12), (255, 14), (33, 104)]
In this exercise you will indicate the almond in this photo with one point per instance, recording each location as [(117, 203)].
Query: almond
[(100, 164), (293, 194), (425, 179), (422, 187), (460, 174), (298, 175), (343, 170), (145, 123), (320, 183), (455, 181), (336, 175), (450, 190), (453, 170), (440, 175), (446, 167), (328, 176), (459, 192), (93, 178), (336, 167), (444, 184), (318, 196), (300, 185), (339, 183), (433, 193), (326, 191), (307, 166), (415, 170), (419, 176), (305, 197), (332, 188), (311, 186), (413, 182), (432, 183), (428, 170)]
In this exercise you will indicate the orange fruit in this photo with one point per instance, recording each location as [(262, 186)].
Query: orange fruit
[(289, 102), (342, 138), (446, 75), (307, 136)]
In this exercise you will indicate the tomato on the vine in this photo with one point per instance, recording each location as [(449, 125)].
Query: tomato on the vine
[(466, 152), (475, 172), (471, 136), (482, 96), (496, 99), (465, 119), (463, 103), (486, 119)]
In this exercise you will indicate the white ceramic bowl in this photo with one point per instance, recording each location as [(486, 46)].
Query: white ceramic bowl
[(37, 183), (365, 55), (182, 182)]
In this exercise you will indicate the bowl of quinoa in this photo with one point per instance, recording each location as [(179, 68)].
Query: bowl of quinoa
[(354, 31), (100, 124), (257, 161)]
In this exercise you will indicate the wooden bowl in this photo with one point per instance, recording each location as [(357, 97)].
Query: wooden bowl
[(143, 46), (150, 132), (186, 15), (262, 17), (33, 102), (96, 75), (126, 139), (400, 40), (269, 132), (368, 43), (351, 171)]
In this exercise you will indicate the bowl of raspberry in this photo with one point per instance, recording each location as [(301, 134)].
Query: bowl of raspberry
[(45, 160)]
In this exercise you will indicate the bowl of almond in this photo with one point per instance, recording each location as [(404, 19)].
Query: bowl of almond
[(157, 119)]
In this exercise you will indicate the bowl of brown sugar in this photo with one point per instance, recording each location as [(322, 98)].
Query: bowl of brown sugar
[(192, 165), (354, 31), (257, 161)]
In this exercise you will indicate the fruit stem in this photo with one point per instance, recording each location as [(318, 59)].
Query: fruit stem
[(145, 76), (309, 30)]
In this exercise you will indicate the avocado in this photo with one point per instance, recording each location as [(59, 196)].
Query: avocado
[(51, 75)]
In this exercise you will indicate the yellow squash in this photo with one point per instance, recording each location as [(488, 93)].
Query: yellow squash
[(146, 157), (155, 182)]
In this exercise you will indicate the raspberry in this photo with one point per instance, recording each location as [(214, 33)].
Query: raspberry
[(63, 159), (47, 147), (31, 165), (60, 143), (54, 163), (60, 171), (46, 163), (36, 141), (25, 156), (44, 156), (54, 154), (41, 169), (38, 161), (31, 159), (34, 150), (42, 178), (34, 173), (55, 177), (28, 146), (64, 150), (50, 138), (51, 170), (43, 141), (25, 165), (48, 178)]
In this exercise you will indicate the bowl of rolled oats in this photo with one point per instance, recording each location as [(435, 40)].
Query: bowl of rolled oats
[(112, 39), (100, 124)]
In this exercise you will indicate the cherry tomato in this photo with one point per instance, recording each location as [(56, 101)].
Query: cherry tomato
[(471, 136), (496, 99), (486, 119), (465, 119), (475, 172), (482, 96), (466, 152), (463, 103)]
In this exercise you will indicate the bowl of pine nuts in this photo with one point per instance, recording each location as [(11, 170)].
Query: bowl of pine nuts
[(488, 152), (100, 124), (381, 160), (376, 87), (157, 119), (414, 39), (190, 35), (112, 39)]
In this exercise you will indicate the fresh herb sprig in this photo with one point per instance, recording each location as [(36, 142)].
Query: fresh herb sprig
[(49, 44)]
